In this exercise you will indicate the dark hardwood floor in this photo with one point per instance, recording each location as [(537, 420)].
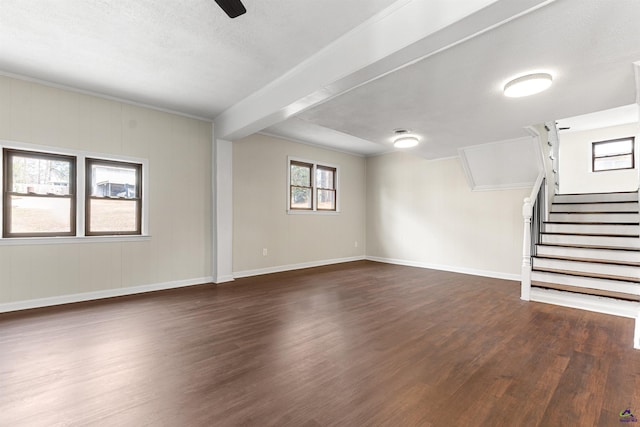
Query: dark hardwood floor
[(357, 344)]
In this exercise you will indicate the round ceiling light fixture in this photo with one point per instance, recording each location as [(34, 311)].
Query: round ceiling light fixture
[(403, 139), (528, 85)]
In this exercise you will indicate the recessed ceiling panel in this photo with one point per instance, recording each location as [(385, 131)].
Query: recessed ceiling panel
[(504, 164)]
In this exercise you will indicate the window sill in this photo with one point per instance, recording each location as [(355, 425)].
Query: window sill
[(302, 212), (23, 241)]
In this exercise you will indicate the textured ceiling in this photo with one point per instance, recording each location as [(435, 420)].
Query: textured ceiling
[(624, 115), (186, 56), (454, 99), (189, 57)]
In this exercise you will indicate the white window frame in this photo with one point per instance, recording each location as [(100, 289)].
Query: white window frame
[(314, 210), (80, 236)]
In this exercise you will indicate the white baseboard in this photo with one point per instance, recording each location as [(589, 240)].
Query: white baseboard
[(107, 293), (224, 279), (602, 305), (453, 269), (281, 268)]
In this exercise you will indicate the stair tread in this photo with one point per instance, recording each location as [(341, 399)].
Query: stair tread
[(592, 223), (584, 194), (589, 260), (586, 291), (590, 234), (594, 203), (608, 248), (594, 212), (588, 275)]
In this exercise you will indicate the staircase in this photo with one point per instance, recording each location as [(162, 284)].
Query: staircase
[(587, 255), (591, 246)]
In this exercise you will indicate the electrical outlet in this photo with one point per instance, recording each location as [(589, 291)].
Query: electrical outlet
[(355, 245), (264, 251)]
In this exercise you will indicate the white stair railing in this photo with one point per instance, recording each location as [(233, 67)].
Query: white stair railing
[(531, 232), (636, 336), (553, 140)]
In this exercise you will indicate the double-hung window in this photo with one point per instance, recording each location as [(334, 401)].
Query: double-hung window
[(301, 185), (613, 154), (70, 194), (113, 197), (312, 187), (326, 188), (39, 194)]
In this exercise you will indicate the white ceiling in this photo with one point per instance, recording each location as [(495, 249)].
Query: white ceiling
[(337, 73), (624, 115), (186, 56), (454, 98)]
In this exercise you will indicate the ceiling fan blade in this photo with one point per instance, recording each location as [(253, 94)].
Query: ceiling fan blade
[(233, 8)]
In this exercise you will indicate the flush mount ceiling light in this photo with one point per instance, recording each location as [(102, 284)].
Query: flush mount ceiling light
[(403, 139), (527, 85)]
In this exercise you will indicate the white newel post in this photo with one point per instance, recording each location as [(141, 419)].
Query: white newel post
[(527, 213)]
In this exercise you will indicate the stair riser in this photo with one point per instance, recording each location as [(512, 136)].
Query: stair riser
[(588, 267), (620, 242), (603, 254), (595, 207), (631, 229), (624, 218), (591, 198), (586, 282)]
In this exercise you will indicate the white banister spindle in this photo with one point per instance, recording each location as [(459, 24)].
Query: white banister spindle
[(636, 335), (527, 214)]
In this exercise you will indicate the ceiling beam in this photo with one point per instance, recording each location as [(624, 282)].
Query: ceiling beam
[(406, 32)]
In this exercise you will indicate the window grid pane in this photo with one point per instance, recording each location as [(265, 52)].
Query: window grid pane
[(301, 198), (613, 162), (613, 148), (31, 175), (114, 181), (301, 174), (32, 215), (325, 177), (326, 200), (111, 216)]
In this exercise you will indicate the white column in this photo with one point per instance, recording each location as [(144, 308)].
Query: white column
[(527, 213), (222, 210)]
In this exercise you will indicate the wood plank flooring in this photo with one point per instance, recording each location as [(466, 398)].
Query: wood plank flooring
[(355, 344)]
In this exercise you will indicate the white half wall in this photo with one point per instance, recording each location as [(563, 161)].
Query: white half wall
[(179, 152), (575, 162), (513, 163), (422, 212), (260, 218)]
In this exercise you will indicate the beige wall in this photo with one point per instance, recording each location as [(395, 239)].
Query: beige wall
[(178, 150), (260, 219), (575, 162), (423, 212)]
